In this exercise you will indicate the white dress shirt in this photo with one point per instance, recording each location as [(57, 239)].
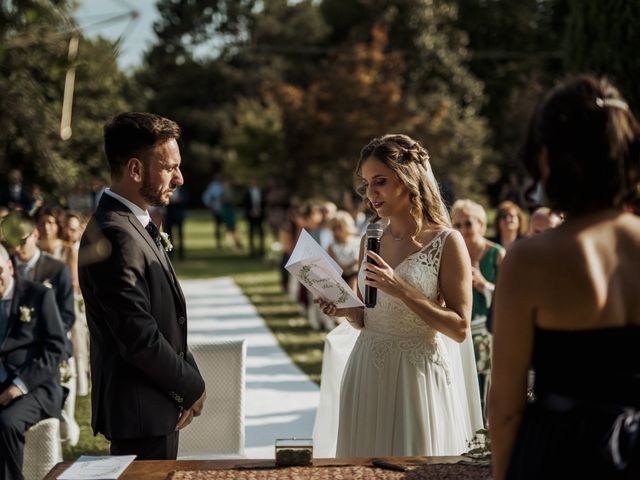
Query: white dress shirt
[(142, 215)]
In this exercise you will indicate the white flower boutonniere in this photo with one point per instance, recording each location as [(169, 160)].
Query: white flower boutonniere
[(47, 283), (166, 243), (25, 313)]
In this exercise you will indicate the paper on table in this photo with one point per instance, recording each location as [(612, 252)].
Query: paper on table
[(316, 270), (97, 468)]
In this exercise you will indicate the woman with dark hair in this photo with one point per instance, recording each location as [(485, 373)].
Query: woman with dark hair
[(409, 386), (567, 299), (48, 222), (510, 224)]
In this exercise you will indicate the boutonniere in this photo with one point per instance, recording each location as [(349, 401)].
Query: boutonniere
[(47, 283), (166, 243), (25, 313), (65, 372)]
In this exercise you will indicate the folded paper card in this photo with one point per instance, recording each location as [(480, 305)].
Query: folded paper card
[(316, 270), (97, 468)]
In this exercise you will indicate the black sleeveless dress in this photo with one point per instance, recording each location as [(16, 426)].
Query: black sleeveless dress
[(585, 420)]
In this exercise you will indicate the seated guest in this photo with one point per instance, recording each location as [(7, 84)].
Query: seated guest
[(486, 257), (48, 223), (38, 266), (510, 224), (345, 248), (31, 348), (74, 226)]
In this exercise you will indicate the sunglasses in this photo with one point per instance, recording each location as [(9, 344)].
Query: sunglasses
[(465, 224), (23, 241)]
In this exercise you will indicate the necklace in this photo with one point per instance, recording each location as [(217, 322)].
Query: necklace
[(397, 239)]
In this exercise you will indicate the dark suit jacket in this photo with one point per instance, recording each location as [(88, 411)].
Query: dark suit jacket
[(49, 269), (142, 371), (33, 349), (247, 203), (24, 200)]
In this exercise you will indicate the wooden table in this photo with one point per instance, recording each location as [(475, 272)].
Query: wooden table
[(159, 469)]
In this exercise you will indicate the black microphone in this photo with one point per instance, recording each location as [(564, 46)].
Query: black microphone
[(374, 233)]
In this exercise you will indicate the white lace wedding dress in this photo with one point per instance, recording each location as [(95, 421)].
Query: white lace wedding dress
[(406, 388)]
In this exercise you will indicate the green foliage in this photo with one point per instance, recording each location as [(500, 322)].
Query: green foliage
[(255, 142), (515, 48), (292, 90), (602, 38), (441, 98), (327, 123), (33, 65)]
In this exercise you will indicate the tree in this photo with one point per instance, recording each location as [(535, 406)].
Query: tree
[(437, 82), (255, 142), (355, 96), (33, 63), (516, 50), (601, 38), (212, 94)]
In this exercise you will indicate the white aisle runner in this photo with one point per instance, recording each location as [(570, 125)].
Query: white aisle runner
[(280, 400)]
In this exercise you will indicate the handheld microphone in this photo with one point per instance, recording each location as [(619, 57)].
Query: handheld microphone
[(374, 233)]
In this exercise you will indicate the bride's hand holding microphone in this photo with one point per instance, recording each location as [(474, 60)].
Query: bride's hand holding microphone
[(381, 276)]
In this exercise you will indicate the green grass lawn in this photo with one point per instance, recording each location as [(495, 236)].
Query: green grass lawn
[(259, 280)]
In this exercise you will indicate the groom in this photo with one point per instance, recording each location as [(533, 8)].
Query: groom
[(146, 384)]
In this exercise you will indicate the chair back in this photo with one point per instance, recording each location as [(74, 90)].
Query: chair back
[(42, 449), (219, 431)]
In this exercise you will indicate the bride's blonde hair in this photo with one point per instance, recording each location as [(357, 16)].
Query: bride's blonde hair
[(410, 162)]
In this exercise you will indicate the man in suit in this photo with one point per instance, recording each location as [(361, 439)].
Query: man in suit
[(254, 203), (31, 348), (37, 266), (14, 195), (212, 199), (146, 385)]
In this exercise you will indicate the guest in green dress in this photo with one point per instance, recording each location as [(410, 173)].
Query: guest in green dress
[(470, 219)]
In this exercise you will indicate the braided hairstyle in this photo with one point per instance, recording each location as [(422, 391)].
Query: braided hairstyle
[(410, 162), (592, 143)]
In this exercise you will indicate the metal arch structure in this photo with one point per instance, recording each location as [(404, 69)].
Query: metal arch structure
[(131, 15)]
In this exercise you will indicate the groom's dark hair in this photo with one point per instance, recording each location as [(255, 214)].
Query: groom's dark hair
[(131, 134)]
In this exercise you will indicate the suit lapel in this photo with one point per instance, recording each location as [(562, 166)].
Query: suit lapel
[(109, 203), (176, 284), (15, 303), (162, 258), (40, 269), (13, 311)]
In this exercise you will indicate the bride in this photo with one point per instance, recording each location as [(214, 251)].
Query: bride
[(409, 386)]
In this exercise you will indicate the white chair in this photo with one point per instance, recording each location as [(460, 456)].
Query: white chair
[(69, 428), (42, 449), (219, 431)]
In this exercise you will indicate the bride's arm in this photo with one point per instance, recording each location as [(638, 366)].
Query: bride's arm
[(455, 286)]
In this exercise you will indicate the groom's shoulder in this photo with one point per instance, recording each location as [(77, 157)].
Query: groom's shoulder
[(108, 228)]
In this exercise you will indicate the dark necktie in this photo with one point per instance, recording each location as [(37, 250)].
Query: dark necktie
[(154, 233), (24, 272)]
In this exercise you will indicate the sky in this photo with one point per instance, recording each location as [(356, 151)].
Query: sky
[(108, 18)]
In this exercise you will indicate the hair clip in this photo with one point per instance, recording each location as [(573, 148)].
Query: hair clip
[(612, 102)]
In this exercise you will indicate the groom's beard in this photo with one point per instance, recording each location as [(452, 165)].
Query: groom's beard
[(158, 196)]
